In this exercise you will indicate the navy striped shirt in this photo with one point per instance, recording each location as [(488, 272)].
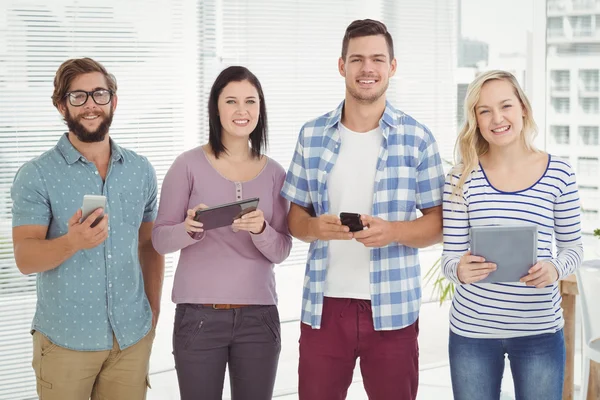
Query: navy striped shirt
[(504, 310)]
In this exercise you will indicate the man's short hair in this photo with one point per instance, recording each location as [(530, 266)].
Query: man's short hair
[(71, 69), (367, 27)]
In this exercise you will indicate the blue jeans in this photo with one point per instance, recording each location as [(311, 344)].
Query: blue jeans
[(537, 364)]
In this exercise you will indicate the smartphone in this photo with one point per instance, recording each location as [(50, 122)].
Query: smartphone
[(91, 203), (352, 221)]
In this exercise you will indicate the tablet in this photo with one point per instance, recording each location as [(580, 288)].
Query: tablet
[(223, 215), (513, 248)]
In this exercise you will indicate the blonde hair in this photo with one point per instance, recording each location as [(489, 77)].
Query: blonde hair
[(70, 70), (470, 144)]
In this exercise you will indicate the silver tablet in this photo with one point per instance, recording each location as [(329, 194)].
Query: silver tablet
[(513, 248)]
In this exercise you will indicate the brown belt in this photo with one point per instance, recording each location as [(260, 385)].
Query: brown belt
[(225, 306)]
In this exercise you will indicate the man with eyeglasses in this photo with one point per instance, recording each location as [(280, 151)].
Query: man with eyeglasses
[(98, 285)]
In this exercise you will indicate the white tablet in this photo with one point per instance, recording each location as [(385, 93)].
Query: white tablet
[(513, 248)]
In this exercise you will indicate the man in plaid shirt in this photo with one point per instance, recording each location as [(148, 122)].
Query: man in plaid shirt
[(362, 289)]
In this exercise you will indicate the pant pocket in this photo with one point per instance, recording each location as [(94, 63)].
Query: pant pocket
[(271, 326), (41, 345), (194, 333), (43, 383)]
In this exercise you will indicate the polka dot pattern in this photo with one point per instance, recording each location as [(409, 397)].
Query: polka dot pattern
[(97, 291)]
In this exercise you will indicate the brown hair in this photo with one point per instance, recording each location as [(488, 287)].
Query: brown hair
[(72, 68), (367, 27)]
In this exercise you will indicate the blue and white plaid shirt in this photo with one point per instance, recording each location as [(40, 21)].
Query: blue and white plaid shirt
[(409, 177)]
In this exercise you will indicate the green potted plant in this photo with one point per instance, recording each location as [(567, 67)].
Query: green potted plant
[(442, 287)]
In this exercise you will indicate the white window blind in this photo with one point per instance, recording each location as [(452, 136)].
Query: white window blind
[(293, 48), (425, 85), (151, 48)]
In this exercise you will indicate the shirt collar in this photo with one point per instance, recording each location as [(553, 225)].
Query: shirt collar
[(388, 119), (71, 154)]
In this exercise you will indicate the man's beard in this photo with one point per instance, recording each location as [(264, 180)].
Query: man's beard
[(367, 98), (83, 134)]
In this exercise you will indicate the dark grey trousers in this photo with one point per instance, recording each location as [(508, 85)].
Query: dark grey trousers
[(205, 340)]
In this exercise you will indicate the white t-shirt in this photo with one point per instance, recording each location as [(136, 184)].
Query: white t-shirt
[(350, 186)]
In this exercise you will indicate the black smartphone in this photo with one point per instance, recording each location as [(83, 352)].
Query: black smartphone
[(352, 221)]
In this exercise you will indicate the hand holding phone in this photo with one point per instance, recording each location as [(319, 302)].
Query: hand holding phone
[(328, 227), (90, 204), (88, 227), (352, 221)]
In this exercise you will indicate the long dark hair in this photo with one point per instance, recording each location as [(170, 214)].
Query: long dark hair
[(258, 137)]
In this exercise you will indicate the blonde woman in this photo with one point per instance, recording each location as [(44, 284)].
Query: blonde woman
[(501, 178)]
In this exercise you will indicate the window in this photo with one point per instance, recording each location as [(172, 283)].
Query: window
[(157, 73), (588, 214), (461, 93), (584, 5), (559, 134), (557, 5), (588, 80), (561, 105), (292, 47), (581, 26), (577, 50), (588, 166), (560, 80), (589, 135), (589, 105), (555, 27)]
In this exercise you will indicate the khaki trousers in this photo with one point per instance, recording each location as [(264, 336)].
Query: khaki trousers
[(64, 374)]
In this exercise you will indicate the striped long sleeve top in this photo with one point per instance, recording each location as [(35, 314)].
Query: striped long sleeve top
[(505, 310)]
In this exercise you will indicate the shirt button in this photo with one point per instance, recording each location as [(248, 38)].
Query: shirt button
[(96, 172), (109, 256), (110, 285)]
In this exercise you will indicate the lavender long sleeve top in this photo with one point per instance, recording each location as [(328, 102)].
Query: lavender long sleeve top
[(222, 266)]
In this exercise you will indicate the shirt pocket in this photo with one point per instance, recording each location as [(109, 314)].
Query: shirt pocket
[(399, 187), (132, 208)]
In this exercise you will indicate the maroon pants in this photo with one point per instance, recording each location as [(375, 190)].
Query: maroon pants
[(389, 360)]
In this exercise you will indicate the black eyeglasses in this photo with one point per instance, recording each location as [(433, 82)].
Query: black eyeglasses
[(77, 98)]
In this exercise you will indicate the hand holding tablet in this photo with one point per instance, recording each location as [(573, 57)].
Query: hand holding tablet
[(542, 274), (512, 248), (191, 225), (207, 218), (472, 269)]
